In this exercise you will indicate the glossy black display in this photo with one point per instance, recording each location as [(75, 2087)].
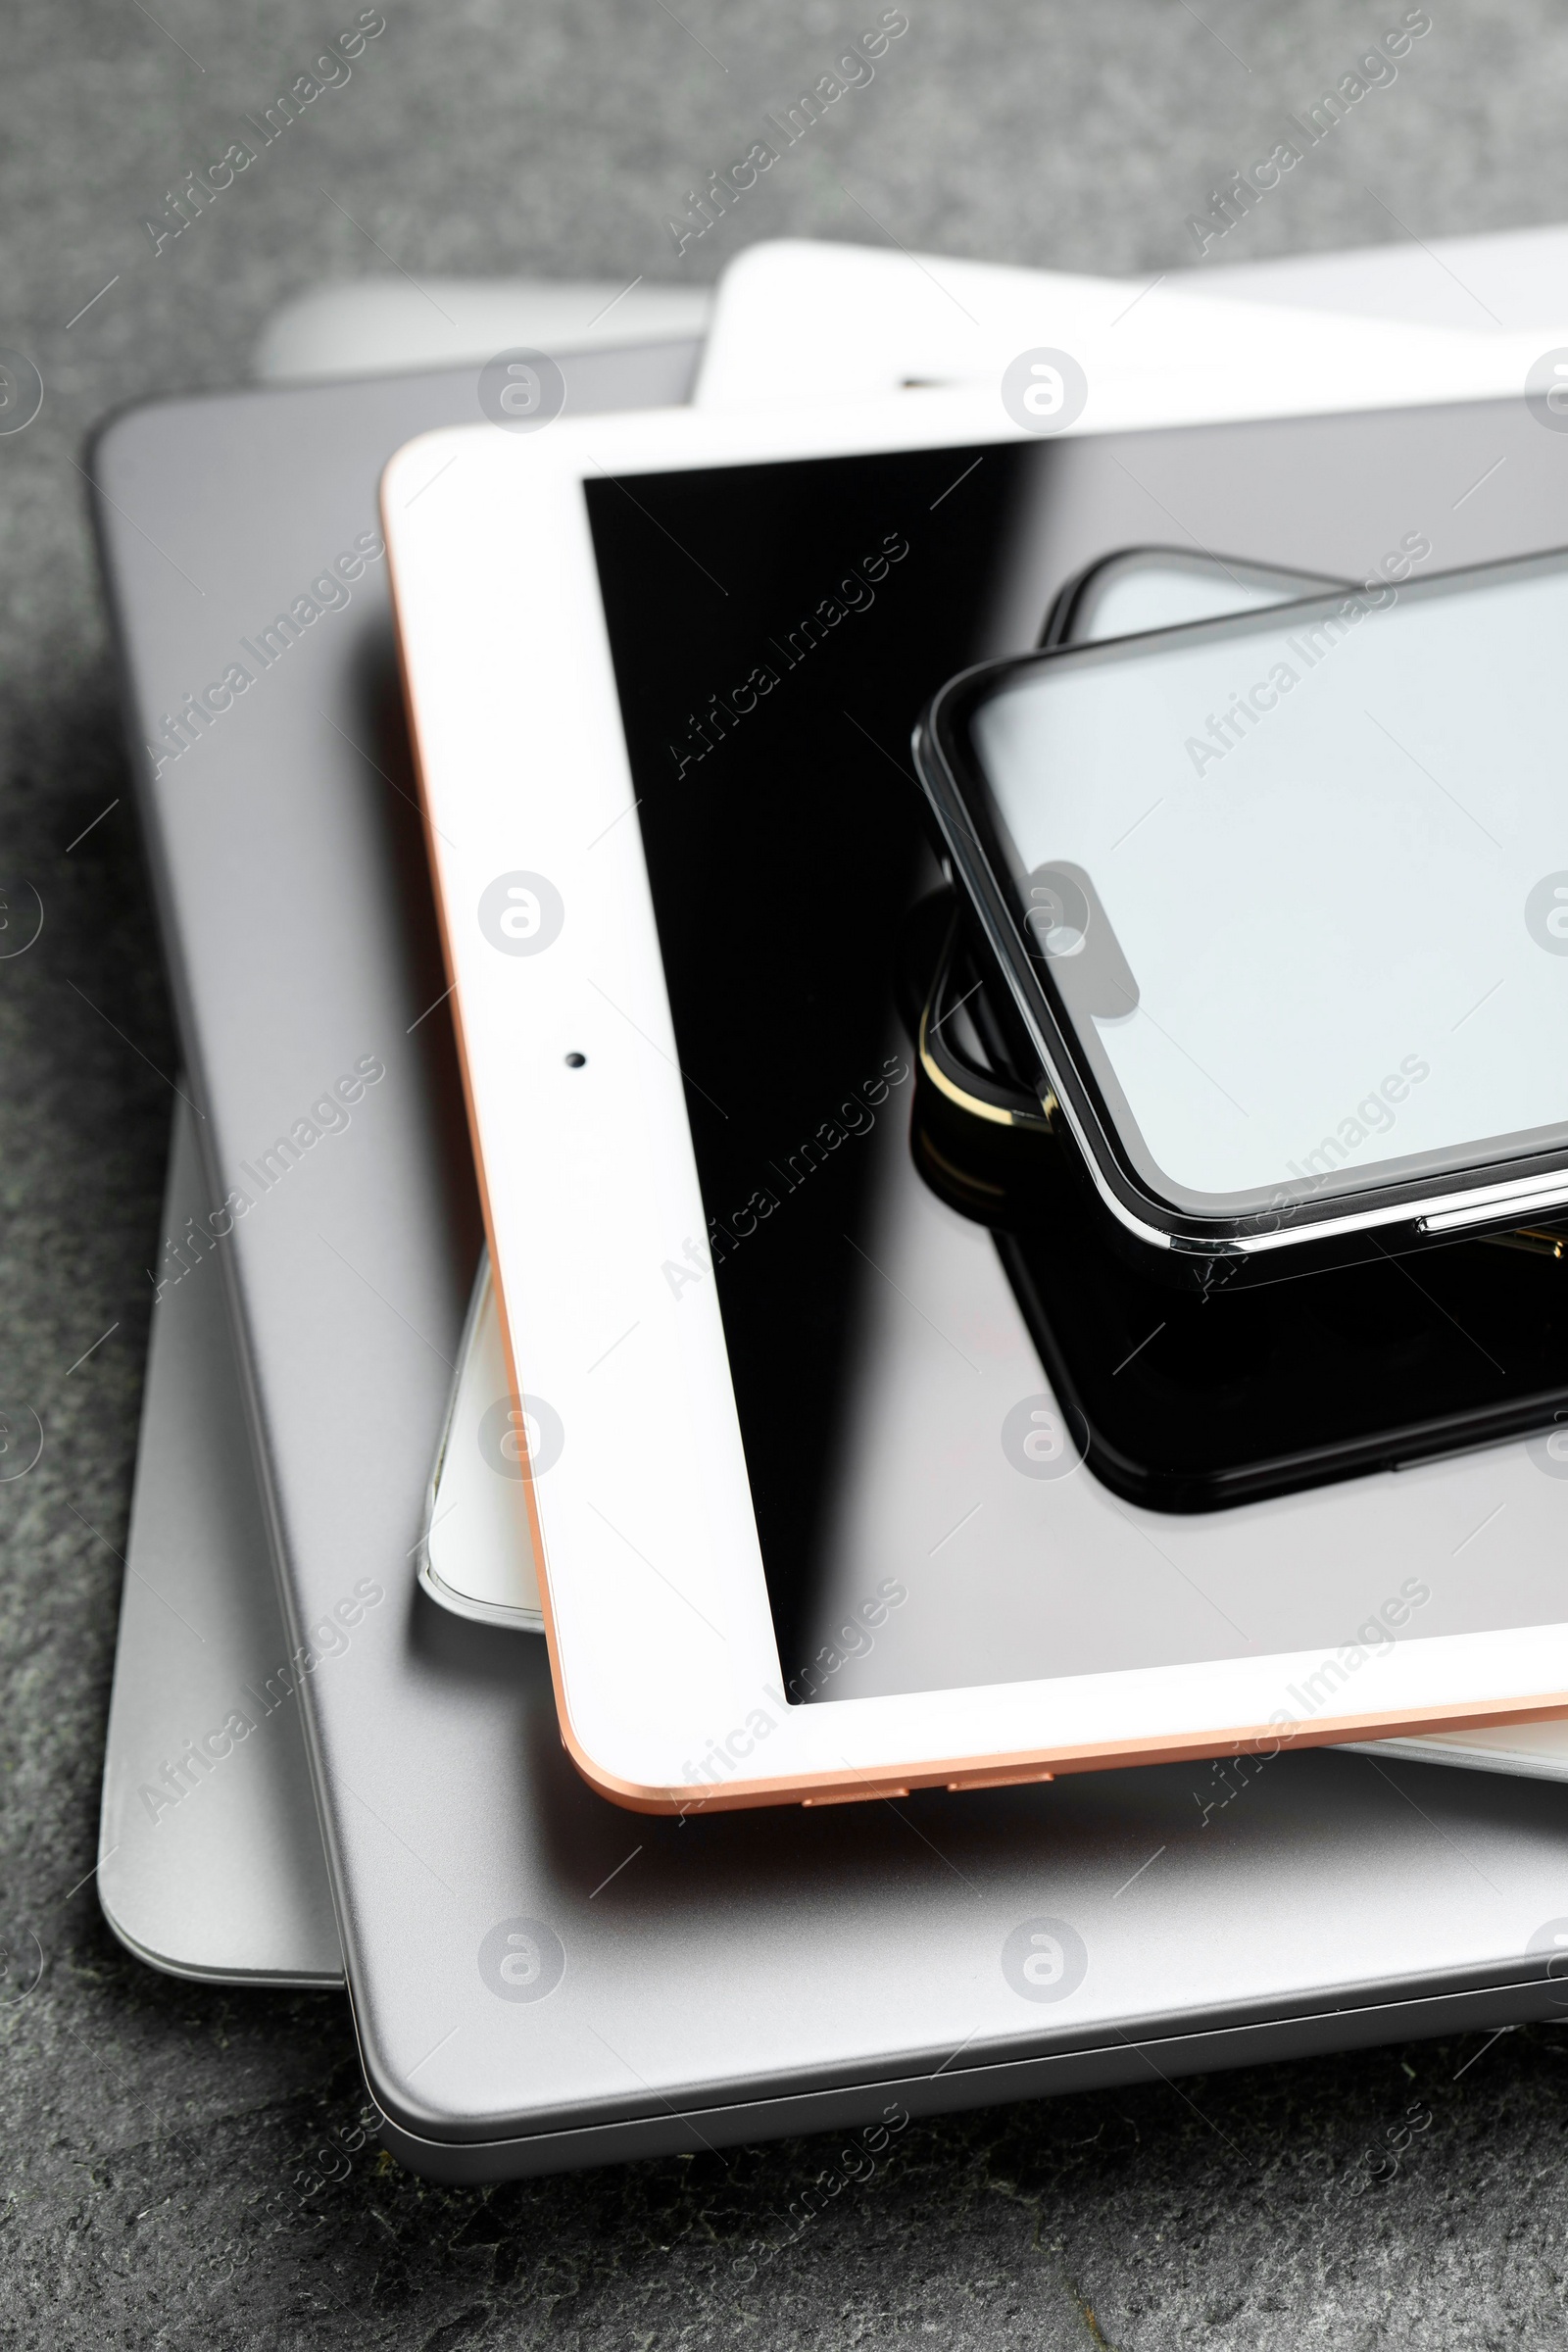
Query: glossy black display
[(775, 632)]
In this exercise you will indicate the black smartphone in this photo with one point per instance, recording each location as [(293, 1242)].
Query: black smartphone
[(1189, 1400), (1289, 952)]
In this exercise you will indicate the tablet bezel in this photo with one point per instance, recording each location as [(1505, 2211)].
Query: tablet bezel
[(661, 1637)]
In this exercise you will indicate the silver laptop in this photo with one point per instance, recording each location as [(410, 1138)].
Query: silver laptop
[(537, 1978)]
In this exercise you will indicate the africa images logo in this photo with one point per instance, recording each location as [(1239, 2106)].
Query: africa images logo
[(1044, 390), (523, 1960), (1045, 1959), (1039, 1440), (521, 913), (521, 390), (522, 1440)]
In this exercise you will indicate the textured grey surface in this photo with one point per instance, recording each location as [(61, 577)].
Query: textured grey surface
[(161, 2142)]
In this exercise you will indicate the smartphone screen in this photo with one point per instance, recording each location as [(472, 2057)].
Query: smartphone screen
[(1319, 850), (775, 632)]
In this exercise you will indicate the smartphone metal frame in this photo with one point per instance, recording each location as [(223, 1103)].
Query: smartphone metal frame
[(1490, 1195), (1074, 603)]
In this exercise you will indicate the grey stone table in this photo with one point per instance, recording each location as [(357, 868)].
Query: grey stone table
[(154, 2133)]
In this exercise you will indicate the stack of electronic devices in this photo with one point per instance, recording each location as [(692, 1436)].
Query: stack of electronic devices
[(886, 1060)]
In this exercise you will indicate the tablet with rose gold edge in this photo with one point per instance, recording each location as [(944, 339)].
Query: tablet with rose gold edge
[(476, 1557), (674, 835)]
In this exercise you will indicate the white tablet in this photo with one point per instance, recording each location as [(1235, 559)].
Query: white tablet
[(673, 835), (794, 320)]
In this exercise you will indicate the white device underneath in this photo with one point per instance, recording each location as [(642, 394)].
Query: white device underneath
[(476, 1557)]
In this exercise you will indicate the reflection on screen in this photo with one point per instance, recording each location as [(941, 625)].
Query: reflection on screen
[(769, 672)]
